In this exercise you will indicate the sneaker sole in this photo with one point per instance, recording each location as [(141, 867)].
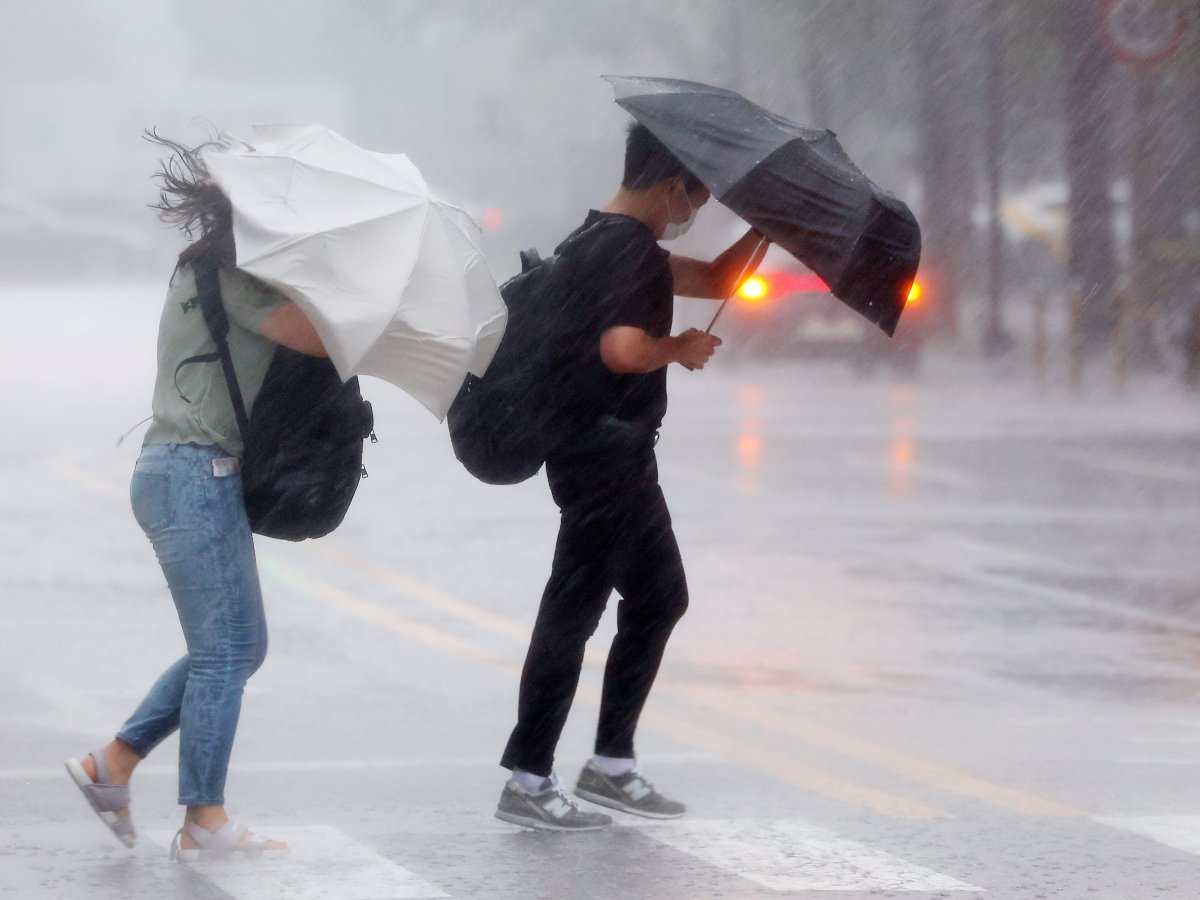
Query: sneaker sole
[(609, 802), (543, 825)]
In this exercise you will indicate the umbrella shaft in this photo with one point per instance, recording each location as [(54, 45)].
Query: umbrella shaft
[(716, 315), (737, 284)]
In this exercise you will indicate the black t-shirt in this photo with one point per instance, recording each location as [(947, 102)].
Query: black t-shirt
[(616, 274)]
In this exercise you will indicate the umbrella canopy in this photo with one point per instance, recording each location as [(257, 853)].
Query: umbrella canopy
[(796, 185), (390, 276)]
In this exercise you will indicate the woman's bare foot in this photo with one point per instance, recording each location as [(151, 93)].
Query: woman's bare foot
[(211, 818)]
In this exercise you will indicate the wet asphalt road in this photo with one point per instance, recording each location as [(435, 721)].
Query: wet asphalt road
[(944, 641)]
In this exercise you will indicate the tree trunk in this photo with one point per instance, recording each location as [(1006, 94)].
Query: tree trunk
[(817, 64), (1177, 194), (1092, 265), (946, 163)]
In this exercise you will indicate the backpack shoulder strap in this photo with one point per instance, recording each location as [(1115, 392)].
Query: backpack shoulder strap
[(596, 227), (208, 296)]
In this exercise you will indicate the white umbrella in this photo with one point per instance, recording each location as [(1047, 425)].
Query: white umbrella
[(390, 276)]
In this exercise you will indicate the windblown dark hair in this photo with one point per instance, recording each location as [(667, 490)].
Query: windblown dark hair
[(191, 201), (648, 162)]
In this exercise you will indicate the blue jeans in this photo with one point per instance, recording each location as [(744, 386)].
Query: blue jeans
[(197, 524)]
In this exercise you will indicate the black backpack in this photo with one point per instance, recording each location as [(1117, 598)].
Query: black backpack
[(497, 423), (302, 460)]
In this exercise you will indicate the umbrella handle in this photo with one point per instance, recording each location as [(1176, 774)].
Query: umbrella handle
[(737, 284)]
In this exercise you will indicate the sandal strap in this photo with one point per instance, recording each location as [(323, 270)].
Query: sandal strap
[(224, 841), (102, 776), (256, 844), (201, 836), (226, 837), (108, 797)]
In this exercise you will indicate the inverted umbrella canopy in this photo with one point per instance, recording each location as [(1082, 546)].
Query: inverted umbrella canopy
[(796, 185), (390, 276)]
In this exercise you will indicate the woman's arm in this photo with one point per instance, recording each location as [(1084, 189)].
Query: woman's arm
[(718, 279), (288, 326)]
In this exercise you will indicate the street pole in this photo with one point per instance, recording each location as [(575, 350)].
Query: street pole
[(1143, 33), (1141, 349), (996, 340)]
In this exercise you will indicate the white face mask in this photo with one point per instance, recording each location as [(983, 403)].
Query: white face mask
[(677, 229)]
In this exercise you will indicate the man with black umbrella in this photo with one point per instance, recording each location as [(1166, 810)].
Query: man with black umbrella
[(609, 395)]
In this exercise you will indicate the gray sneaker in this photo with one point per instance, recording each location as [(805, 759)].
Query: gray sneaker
[(630, 793), (551, 809)]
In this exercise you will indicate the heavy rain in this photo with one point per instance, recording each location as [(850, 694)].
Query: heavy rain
[(942, 629)]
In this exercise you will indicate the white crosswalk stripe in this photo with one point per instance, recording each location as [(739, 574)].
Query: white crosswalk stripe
[(794, 855), (1180, 832), (324, 862)]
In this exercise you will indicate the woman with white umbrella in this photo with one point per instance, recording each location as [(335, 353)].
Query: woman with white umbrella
[(187, 496)]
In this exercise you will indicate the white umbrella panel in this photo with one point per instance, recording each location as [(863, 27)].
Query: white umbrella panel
[(391, 277)]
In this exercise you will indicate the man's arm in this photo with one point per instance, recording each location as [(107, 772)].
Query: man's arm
[(288, 326), (626, 350), (718, 279)]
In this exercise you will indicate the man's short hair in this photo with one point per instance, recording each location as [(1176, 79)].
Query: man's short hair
[(648, 162)]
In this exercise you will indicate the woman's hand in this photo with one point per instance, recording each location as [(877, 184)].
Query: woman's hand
[(288, 326)]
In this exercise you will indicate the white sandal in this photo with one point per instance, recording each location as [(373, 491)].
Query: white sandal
[(105, 797), (222, 844)]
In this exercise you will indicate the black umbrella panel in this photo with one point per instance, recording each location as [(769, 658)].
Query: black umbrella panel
[(796, 185)]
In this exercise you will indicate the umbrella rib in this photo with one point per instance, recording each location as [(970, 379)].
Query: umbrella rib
[(324, 169), (324, 232)]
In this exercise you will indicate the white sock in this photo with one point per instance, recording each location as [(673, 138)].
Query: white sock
[(529, 782), (613, 765)]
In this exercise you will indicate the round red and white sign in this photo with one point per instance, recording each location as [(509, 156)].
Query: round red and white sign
[(1144, 31)]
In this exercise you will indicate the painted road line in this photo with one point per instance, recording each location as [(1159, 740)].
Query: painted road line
[(794, 771), (941, 558), (793, 855), (926, 771), (1128, 465), (428, 595), (934, 474), (443, 601), (1180, 832), (948, 513), (934, 774), (293, 766), (324, 862), (1044, 560), (777, 765), (929, 772), (350, 602), (787, 767), (1175, 739)]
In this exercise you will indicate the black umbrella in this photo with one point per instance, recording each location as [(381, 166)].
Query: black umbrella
[(794, 184)]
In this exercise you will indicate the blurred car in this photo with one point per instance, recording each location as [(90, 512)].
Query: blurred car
[(785, 310), (41, 239)]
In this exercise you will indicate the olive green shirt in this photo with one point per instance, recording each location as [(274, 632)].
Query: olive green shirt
[(192, 406)]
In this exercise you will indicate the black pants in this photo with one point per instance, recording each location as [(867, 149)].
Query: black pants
[(615, 531)]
